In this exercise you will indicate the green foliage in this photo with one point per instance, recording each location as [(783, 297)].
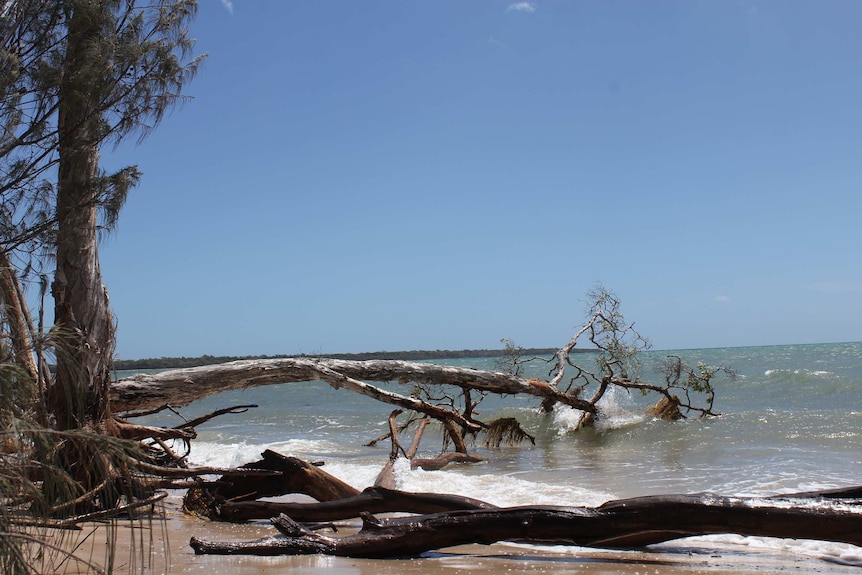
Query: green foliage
[(681, 376), (74, 75), (137, 70)]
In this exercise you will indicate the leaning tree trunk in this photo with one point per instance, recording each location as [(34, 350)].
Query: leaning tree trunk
[(84, 331), (18, 317)]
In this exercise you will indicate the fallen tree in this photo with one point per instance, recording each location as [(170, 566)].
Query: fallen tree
[(443, 520), (686, 390), (628, 523)]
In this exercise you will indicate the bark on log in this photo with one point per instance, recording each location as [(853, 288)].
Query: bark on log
[(297, 476), (294, 476), (626, 523), (372, 500), (182, 386)]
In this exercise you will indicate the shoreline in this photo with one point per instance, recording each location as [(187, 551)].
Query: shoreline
[(168, 363), (164, 547)]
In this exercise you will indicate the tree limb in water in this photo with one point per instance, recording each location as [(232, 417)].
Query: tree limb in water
[(178, 387), (615, 341), (182, 386)]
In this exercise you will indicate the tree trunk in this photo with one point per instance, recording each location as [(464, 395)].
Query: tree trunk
[(182, 386), (84, 330), (18, 317), (627, 523)]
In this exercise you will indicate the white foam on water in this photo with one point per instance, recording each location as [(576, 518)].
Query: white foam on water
[(566, 420), (213, 454), (501, 490), (842, 553), (818, 373), (358, 475), (615, 412)]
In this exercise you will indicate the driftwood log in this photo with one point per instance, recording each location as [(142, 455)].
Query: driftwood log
[(285, 475), (371, 500), (234, 497), (628, 523)]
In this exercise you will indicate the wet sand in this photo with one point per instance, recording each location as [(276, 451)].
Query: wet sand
[(166, 549)]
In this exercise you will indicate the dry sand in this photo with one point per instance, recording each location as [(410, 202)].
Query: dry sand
[(168, 551)]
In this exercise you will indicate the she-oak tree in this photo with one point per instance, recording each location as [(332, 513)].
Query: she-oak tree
[(75, 75)]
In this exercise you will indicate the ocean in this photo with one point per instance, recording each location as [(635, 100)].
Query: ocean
[(791, 420)]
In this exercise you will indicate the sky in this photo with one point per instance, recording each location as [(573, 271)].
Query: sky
[(358, 175)]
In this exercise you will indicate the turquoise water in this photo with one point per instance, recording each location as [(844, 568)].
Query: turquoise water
[(791, 420)]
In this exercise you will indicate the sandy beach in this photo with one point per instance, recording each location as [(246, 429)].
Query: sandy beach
[(166, 550)]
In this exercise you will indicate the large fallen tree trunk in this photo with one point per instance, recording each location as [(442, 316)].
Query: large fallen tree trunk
[(179, 387), (182, 386), (627, 523)]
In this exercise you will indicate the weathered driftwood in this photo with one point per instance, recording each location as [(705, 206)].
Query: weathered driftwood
[(371, 500), (182, 386), (627, 523), (292, 475)]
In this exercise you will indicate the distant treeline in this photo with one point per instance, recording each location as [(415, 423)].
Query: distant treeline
[(178, 362)]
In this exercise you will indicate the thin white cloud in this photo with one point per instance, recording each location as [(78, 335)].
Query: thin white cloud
[(228, 5), (722, 299), (494, 42), (836, 287), (521, 7)]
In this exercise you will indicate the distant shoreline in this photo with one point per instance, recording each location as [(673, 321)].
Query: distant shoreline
[(180, 362)]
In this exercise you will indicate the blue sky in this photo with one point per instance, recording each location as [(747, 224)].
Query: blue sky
[(364, 175)]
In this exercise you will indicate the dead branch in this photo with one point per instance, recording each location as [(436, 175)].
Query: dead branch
[(139, 432), (417, 437), (387, 435), (146, 412), (386, 477), (226, 410), (285, 475), (371, 500)]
